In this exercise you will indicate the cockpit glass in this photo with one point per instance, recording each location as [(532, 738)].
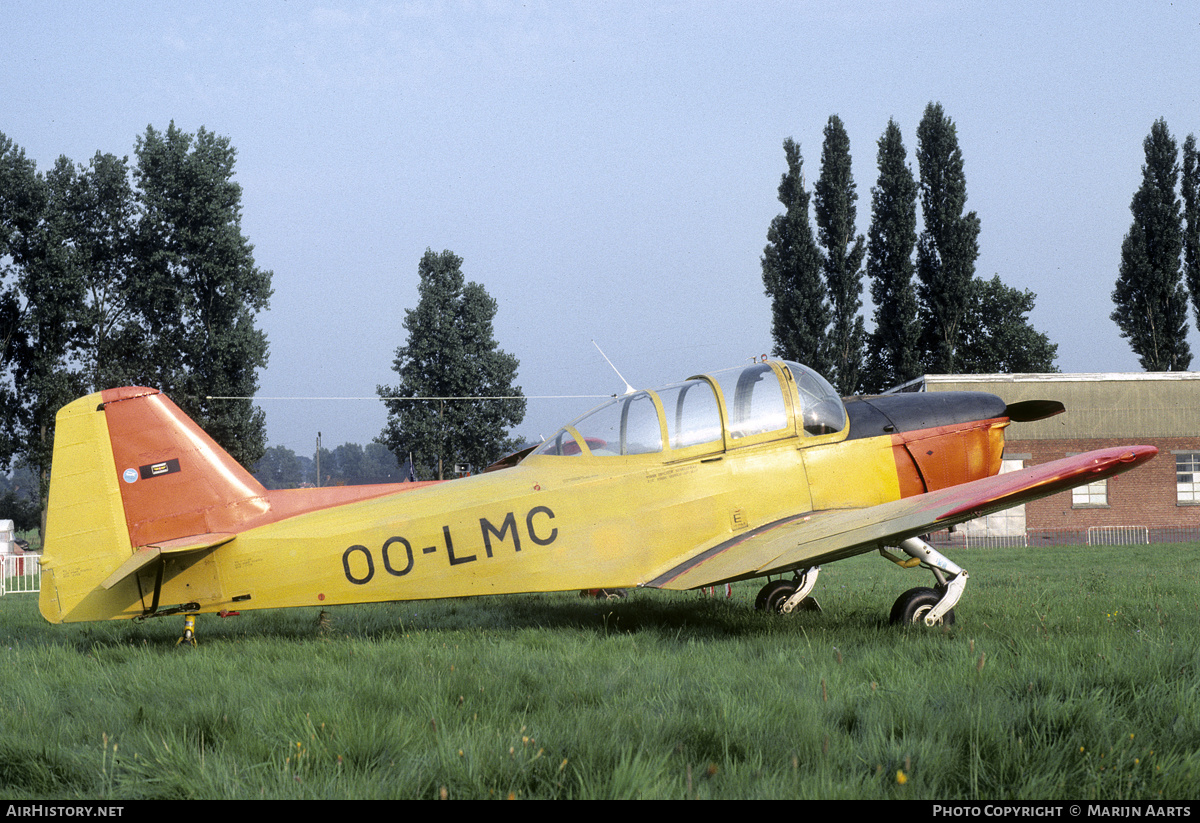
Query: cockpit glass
[(753, 400), (755, 404), (693, 416), (821, 410), (562, 444), (625, 425)]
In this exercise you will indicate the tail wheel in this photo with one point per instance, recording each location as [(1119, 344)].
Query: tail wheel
[(912, 606)]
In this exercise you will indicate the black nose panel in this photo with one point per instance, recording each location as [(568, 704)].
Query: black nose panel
[(894, 413)]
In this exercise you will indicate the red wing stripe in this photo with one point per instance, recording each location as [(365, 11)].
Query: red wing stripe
[(1047, 478)]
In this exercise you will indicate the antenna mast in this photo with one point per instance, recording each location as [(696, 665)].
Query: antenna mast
[(628, 388)]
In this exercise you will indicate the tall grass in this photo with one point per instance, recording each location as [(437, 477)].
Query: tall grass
[(1071, 674)]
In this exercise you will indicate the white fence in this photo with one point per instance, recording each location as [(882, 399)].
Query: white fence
[(21, 573), (1118, 535), (1094, 536)]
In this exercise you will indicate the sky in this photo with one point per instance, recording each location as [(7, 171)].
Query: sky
[(607, 171)]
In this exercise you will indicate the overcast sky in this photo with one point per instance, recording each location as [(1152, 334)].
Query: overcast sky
[(606, 170)]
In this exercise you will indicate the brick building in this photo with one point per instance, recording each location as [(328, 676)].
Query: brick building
[(1158, 502)]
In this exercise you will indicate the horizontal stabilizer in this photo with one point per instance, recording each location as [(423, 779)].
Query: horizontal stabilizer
[(148, 554)]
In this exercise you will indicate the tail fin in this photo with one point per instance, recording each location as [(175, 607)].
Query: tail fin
[(139, 498), (134, 478)]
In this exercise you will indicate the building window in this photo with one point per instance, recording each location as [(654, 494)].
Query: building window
[(1093, 495), (1187, 478)]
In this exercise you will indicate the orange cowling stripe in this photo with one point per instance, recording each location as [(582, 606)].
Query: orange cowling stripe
[(937, 458)]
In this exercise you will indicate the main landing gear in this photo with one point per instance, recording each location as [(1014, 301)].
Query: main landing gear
[(925, 606), (921, 606), (787, 596)]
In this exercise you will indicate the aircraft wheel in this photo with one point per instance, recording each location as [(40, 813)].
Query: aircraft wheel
[(912, 606), (772, 596)]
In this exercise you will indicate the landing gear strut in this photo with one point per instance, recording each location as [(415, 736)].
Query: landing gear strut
[(787, 596), (925, 606)]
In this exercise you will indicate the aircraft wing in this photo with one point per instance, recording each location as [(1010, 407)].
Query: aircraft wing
[(812, 538)]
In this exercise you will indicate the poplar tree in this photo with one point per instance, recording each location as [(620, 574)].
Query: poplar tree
[(894, 345), (834, 199), (1151, 302), (1191, 220), (451, 353), (949, 245), (791, 267)]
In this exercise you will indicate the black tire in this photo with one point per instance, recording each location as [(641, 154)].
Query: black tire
[(912, 606), (772, 596)]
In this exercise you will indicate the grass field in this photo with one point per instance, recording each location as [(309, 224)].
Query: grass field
[(1072, 673)]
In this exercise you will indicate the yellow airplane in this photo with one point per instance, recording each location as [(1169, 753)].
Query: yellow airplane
[(748, 472)]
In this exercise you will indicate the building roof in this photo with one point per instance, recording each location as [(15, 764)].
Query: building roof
[(1099, 405)]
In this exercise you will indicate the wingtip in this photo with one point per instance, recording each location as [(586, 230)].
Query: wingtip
[(1138, 454)]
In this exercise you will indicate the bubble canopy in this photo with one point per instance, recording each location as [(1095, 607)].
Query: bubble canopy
[(710, 412)]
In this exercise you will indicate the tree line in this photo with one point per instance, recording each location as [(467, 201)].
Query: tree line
[(350, 464), (116, 273), (1160, 256), (932, 314)]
